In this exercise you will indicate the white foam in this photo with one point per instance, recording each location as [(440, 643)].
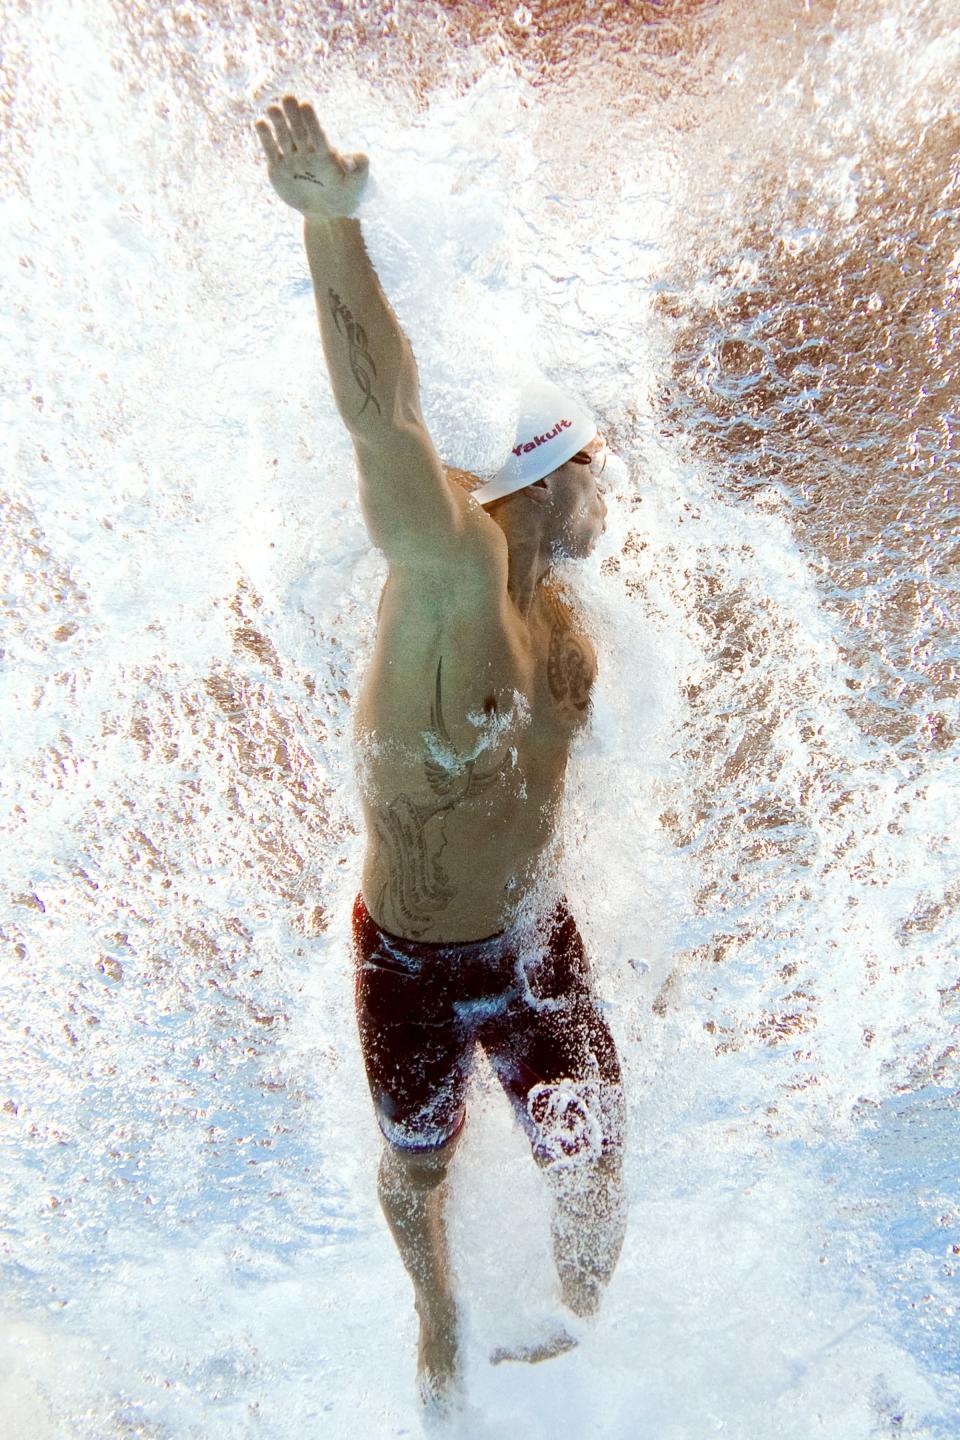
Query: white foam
[(768, 891)]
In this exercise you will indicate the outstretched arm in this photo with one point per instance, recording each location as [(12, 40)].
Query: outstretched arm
[(411, 512)]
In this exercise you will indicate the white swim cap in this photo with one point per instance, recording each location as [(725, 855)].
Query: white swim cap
[(550, 428)]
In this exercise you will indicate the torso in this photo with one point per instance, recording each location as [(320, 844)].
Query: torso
[(463, 729)]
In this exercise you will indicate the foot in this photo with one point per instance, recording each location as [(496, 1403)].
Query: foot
[(439, 1378), (556, 1342)]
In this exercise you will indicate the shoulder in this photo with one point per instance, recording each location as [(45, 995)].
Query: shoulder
[(473, 561)]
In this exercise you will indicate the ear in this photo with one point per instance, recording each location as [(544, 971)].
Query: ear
[(538, 491)]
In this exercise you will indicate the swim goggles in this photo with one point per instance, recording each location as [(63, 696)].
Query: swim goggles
[(592, 457)]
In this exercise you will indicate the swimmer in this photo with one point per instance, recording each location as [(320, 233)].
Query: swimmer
[(480, 678)]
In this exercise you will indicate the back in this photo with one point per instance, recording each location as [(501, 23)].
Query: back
[(463, 729)]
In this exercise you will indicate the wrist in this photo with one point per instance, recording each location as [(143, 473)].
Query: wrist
[(318, 226), (359, 208)]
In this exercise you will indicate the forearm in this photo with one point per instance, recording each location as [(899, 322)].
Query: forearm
[(410, 510), (371, 364)]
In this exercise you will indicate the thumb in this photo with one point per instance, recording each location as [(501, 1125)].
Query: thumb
[(358, 165)]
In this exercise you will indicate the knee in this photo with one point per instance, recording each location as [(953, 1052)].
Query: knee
[(416, 1169), (577, 1125)]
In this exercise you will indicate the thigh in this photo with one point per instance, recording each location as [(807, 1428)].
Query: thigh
[(416, 1054), (554, 1055)]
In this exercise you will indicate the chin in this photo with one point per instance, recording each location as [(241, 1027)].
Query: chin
[(588, 543), (578, 549), (578, 541)]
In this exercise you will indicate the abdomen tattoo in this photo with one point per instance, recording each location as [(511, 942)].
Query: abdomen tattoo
[(417, 885)]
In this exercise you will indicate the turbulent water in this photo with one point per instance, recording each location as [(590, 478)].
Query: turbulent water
[(733, 230)]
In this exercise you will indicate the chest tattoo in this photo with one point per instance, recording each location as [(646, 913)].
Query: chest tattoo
[(570, 662)]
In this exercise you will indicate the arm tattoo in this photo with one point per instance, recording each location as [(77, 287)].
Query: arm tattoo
[(418, 885), (361, 361), (570, 665)]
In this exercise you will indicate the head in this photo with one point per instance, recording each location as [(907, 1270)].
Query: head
[(564, 509), (547, 490)]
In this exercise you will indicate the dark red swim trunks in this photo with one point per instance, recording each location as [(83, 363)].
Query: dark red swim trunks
[(422, 1008)]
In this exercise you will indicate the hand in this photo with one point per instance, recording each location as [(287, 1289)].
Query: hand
[(303, 166)]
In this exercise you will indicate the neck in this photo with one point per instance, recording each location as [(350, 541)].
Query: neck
[(527, 567)]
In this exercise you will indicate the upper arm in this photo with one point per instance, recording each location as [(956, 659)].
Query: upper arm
[(412, 513)]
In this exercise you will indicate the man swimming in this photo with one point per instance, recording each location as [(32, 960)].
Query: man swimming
[(479, 680)]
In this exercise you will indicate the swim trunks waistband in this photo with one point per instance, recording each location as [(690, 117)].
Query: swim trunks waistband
[(433, 947)]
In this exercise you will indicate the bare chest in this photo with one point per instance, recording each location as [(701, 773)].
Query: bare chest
[(460, 699), (464, 732)]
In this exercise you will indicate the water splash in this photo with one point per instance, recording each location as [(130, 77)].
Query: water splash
[(733, 231)]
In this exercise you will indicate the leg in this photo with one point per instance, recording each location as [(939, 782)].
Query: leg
[(413, 1191), (589, 1223), (417, 1062), (556, 1058), (588, 1226)]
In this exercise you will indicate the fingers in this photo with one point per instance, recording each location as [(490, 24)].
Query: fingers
[(282, 130), (270, 148), (314, 131), (297, 129), (294, 118)]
